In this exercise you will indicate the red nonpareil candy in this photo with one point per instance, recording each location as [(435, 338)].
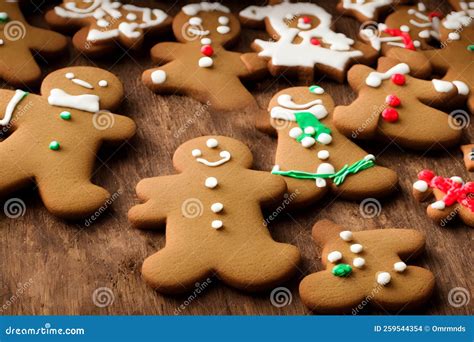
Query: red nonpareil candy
[(426, 175), (393, 100), (207, 50), (399, 79), (306, 20), (315, 41), (390, 115), (435, 14)]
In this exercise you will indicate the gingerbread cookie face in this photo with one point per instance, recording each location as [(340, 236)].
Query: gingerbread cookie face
[(72, 113), (214, 179), (314, 158), (104, 23), (454, 197), (394, 105), (200, 66), (468, 151), (368, 10), (366, 266), (305, 41), (17, 42)]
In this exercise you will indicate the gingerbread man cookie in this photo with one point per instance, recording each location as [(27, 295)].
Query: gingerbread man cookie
[(19, 42), (214, 223), (368, 10), (54, 138), (366, 268), (199, 65), (395, 106), (303, 41), (314, 157), (101, 24), (405, 33), (453, 196), (468, 151)]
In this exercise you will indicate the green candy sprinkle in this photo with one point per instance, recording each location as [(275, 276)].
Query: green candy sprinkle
[(65, 116), (3, 17), (342, 270), (470, 47), (54, 145), (315, 89)]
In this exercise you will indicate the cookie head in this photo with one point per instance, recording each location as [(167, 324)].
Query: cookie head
[(210, 22), (71, 83), (212, 152)]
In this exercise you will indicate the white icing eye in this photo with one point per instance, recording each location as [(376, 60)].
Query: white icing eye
[(404, 28), (334, 256), (225, 154), (356, 248), (195, 21), (212, 143), (358, 262), (131, 16), (206, 41), (346, 235), (196, 153), (103, 83), (223, 20), (223, 29), (70, 76)]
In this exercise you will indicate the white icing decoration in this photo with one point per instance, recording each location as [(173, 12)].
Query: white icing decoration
[(223, 20), (302, 25), (205, 62), (206, 41), (287, 108), (223, 29), (212, 143), (217, 224), (439, 205), (358, 262), (404, 28), (399, 266), (193, 9), (102, 23), (458, 20), (2, 42), (225, 155), (420, 186), (346, 235), (463, 88), (284, 53), (383, 278), (276, 168), (82, 83), (334, 256), (11, 106), (197, 32), (196, 21), (457, 179), (367, 9), (321, 183), (217, 207), (103, 83), (323, 154), (307, 142), (295, 132), (86, 102), (131, 16), (442, 86), (324, 168), (356, 248), (158, 76), (324, 138), (369, 157), (375, 78), (211, 182), (454, 36), (70, 75), (309, 130), (196, 153)]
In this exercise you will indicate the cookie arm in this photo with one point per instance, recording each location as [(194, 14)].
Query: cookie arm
[(324, 231), (165, 52), (47, 43), (433, 93), (118, 127), (256, 67), (357, 76), (268, 188)]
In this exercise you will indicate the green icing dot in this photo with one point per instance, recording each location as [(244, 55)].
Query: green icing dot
[(342, 270), (315, 89), (470, 47), (54, 145), (65, 116)]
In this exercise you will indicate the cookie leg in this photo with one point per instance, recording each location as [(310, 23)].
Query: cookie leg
[(175, 270), (258, 267)]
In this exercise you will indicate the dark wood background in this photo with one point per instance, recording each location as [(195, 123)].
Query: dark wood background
[(49, 266)]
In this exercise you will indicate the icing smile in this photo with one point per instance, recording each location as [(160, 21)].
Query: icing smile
[(225, 157)]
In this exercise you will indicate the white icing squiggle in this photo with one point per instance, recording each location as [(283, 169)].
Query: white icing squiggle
[(225, 155), (82, 83), (86, 102), (11, 106), (193, 9), (367, 9), (375, 78)]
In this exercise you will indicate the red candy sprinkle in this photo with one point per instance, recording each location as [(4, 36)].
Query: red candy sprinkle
[(398, 79), (315, 41), (393, 100), (306, 20), (435, 14), (207, 50), (426, 175), (390, 115)]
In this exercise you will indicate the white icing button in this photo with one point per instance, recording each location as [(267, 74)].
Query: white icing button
[(307, 142), (463, 88), (276, 168), (212, 143), (131, 17), (206, 41), (383, 278), (103, 83), (356, 248), (217, 224), (205, 62), (369, 157), (399, 266), (195, 21), (404, 28), (223, 29), (196, 153), (358, 262), (102, 23), (334, 256), (325, 169), (309, 130), (211, 182), (346, 235), (325, 138), (321, 182), (70, 76), (420, 186), (457, 179), (158, 76), (295, 132), (2, 42), (440, 205), (323, 154), (223, 20), (217, 207)]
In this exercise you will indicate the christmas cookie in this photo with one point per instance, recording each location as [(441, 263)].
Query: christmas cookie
[(368, 10), (303, 41), (19, 42), (405, 33), (199, 65), (392, 105), (453, 196), (314, 157), (468, 151), (53, 138), (366, 268), (214, 223), (102, 25)]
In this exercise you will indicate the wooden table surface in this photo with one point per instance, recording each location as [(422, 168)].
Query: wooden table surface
[(49, 266)]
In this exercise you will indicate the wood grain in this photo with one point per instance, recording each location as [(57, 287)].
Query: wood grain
[(49, 266)]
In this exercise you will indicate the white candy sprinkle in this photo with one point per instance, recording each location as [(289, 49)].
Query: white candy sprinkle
[(358, 262), (196, 153), (334, 256), (383, 278), (440, 205), (158, 76), (323, 154), (70, 76), (325, 138), (223, 29), (309, 130), (205, 62), (346, 235), (295, 132), (457, 179), (211, 182), (217, 207), (217, 224), (321, 182), (212, 143), (103, 83), (195, 21), (399, 266), (307, 142), (420, 186), (356, 248), (223, 20)]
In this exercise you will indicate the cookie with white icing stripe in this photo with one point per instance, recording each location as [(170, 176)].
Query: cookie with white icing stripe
[(102, 25), (53, 139), (20, 42), (366, 268), (454, 197), (368, 10), (304, 42), (392, 105), (214, 223), (309, 145)]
